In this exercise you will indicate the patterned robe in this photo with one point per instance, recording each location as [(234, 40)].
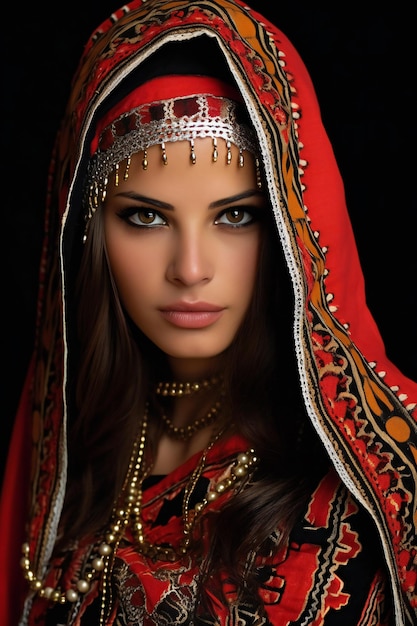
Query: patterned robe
[(361, 407)]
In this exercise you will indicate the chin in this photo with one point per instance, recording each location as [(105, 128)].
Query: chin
[(194, 351)]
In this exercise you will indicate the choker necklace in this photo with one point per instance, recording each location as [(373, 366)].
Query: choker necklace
[(127, 513), (185, 389), (183, 433)]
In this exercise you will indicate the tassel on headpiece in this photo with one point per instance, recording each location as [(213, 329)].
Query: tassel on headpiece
[(153, 114)]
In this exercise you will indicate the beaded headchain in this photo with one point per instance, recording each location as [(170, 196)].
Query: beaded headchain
[(153, 114)]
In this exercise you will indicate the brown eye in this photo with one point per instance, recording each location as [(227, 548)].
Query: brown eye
[(236, 217), (142, 218), (146, 217)]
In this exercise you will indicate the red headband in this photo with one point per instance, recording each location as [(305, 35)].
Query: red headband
[(160, 89)]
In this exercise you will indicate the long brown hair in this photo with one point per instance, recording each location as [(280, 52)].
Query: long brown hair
[(115, 363)]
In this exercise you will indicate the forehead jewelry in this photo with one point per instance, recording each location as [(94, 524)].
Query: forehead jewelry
[(158, 123)]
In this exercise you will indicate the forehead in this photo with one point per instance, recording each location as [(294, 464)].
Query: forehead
[(171, 171)]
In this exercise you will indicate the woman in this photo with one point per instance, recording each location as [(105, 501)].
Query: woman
[(218, 436)]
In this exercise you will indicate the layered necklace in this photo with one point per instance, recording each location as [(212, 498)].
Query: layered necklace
[(180, 390), (127, 513)]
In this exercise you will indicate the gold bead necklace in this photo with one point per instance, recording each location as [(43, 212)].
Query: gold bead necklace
[(101, 555), (127, 513), (183, 433), (173, 388), (178, 390)]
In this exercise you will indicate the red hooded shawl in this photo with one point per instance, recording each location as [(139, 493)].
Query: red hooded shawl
[(361, 406)]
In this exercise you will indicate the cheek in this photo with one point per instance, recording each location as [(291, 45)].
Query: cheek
[(131, 268), (243, 270)]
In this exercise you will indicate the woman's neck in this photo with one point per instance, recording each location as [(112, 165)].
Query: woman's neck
[(190, 370), (191, 413)]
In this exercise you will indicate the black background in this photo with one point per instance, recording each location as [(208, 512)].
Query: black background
[(362, 62)]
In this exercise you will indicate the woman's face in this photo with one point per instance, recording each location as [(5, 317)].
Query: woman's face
[(183, 243)]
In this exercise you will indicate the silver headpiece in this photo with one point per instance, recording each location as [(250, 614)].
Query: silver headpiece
[(127, 130)]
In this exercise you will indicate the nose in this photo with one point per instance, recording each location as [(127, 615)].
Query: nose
[(191, 259)]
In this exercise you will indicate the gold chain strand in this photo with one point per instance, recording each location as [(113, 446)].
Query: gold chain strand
[(128, 512), (183, 433), (104, 551), (191, 485)]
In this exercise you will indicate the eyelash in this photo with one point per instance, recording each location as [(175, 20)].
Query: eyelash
[(128, 213)]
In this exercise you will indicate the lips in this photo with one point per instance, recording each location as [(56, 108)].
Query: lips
[(192, 315)]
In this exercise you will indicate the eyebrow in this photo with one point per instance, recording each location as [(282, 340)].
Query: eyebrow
[(166, 205), (239, 196)]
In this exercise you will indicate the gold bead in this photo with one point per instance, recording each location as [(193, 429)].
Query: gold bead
[(220, 487), (98, 564), (145, 160), (71, 595), (25, 563), (83, 586), (105, 549), (239, 471), (47, 592), (56, 595)]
